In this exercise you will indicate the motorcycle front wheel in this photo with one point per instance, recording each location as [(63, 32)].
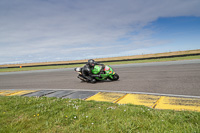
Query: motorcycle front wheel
[(115, 77)]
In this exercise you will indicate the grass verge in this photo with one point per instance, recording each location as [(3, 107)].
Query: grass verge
[(157, 60), (109, 63), (32, 114)]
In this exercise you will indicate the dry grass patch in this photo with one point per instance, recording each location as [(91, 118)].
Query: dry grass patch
[(111, 58)]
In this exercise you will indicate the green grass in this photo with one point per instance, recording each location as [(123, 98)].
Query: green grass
[(32, 114), (158, 60), (110, 63)]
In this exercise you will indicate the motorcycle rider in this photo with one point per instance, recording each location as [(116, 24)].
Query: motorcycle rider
[(87, 70)]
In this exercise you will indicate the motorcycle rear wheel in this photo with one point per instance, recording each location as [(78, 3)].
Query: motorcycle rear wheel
[(82, 78)]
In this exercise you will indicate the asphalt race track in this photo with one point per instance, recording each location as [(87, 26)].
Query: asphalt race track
[(174, 77)]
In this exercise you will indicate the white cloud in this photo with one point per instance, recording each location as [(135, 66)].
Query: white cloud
[(65, 27)]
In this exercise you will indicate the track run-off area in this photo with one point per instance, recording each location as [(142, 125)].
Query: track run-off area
[(162, 85)]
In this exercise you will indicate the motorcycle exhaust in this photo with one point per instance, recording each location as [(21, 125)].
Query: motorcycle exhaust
[(81, 78)]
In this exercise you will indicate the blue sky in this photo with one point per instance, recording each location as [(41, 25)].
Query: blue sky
[(61, 30)]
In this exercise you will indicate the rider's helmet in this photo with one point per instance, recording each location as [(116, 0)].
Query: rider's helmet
[(91, 62)]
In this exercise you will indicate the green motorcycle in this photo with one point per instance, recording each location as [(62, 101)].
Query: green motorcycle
[(108, 73)]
